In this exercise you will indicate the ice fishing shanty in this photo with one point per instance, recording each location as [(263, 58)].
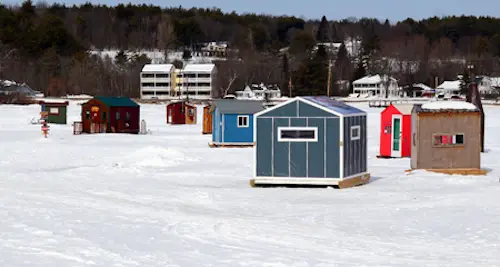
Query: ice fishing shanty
[(232, 122), (181, 112), (311, 141), (109, 115), (207, 119), (395, 131), (57, 110), (446, 138)]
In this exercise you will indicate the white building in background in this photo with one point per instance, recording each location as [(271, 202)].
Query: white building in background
[(196, 81), (258, 92), (157, 81), (448, 88), (375, 85)]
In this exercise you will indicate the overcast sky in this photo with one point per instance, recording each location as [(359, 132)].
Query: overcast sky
[(394, 10)]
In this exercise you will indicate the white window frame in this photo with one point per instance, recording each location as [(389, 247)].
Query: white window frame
[(247, 121), (54, 111), (353, 138), (280, 129)]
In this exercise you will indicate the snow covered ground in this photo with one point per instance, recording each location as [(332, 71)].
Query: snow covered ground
[(167, 199)]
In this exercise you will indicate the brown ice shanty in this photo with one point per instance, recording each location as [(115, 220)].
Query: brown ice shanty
[(446, 137)]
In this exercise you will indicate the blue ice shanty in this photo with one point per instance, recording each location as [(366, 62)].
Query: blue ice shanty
[(232, 122), (311, 141)]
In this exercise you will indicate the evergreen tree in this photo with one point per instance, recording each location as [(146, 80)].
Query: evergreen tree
[(121, 58), (359, 73), (322, 35), (342, 68), (186, 54), (464, 82)]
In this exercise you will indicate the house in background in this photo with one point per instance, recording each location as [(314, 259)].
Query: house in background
[(233, 123), (395, 131), (375, 85), (259, 92), (447, 137), (157, 80), (315, 141), (57, 110), (449, 88), (109, 115), (181, 112)]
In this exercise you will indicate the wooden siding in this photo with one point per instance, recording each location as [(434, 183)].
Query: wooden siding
[(429, 157)]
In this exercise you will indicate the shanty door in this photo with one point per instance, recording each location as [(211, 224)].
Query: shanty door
[(397, 132), (169, 115)]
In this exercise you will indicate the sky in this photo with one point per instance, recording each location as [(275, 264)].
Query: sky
[(394, 10)]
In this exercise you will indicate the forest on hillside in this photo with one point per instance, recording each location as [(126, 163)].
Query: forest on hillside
[(47, 46)]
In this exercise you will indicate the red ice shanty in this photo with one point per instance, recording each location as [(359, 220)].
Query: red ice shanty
[(395, 131), (181, 112)]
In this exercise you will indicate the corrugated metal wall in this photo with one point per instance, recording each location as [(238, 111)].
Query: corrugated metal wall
[(355, 151)]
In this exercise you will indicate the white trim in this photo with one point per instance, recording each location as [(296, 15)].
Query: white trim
[(325, 161), (272, 146), (315, 129), (359, 132), (223, 127), (247, 121), (296, 181), (395, 153), (255, 149), (298, 98), (289, 150), (341, 148), (307, 148), (232, 143)]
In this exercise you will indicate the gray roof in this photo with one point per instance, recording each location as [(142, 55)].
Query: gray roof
[(235, 106)]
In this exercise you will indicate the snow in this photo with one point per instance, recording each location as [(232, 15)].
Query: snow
[(449, 86), (198, 68), (439, 105), (371, 79), (156, 56), (52, 100), (167, 199), (157, 68)]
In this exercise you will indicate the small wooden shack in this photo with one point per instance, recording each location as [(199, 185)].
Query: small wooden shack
[(57, 110), (311, 141), (446, 137), (181, 112), (395, 131), (110, 115), (207, 119)]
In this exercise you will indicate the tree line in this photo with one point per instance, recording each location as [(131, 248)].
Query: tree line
[(47, 46)]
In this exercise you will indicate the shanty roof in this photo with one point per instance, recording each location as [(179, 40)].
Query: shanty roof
[(236, 106), (405, 109), (117, 101), (157, 68), (437, 106), (334, 105)]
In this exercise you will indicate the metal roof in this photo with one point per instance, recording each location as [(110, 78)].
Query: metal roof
[(198, 68), (405, 109), (334, 105), (235, 106), (157, 68), (117, 101)]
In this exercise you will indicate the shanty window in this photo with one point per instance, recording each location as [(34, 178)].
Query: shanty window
[(355, 132), (54, 111), (87, 115), (117, 115), (387, 129), (448, 140), (297, 134), (127, 116), (242, 121)]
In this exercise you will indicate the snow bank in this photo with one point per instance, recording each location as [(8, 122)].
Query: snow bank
[(155, 157), (459, 105)]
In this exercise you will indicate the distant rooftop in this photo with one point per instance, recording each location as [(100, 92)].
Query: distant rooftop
[(157, 68), (199, 67)]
